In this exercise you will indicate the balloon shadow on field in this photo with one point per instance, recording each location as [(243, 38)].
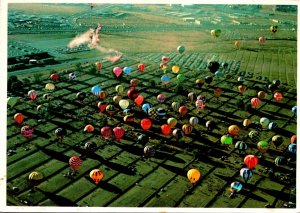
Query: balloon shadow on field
[(59, 200), (41, 134), (174, 169), (54, 154)]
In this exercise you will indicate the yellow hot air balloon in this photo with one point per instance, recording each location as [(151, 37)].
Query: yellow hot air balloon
[(117, 99), (193, 175), (96, 175), (242, 88), (172, 122), (175, 69), (246, 122), (123, 103), (237, 44), (35, 178), (50, 86)]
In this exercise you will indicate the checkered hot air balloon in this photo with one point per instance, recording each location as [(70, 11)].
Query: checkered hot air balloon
[(152, 112)]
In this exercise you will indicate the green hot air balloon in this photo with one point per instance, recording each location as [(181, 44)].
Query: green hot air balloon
[(226, 140), (180, 49), (180, 77), (263, 146)]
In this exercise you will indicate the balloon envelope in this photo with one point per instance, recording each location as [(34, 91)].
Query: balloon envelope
[(96, 175), (75, 162), (139, 100), (96, 90), (18, 117), (127, 70), (146, 123), (117, 71), (124, 103), (193, 175), (251, 161), (166, 129), (180, 49)]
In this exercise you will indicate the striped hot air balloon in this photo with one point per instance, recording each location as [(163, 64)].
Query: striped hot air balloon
[(255, 102), (241, 146), (251, 161), (106, 132), (246, 174), (178, 133), (27, 131), (32, 94), (236, 186), (194, 121), (75, 162), (187, 128), (96, 175)]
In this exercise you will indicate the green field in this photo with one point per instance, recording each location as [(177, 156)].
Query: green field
[(160, 181)]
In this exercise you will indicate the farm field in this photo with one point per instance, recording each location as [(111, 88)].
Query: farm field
[(133, 177)]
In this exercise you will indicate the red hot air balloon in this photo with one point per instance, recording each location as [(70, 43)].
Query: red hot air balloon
[(255, 102), (294, 139), (183, 110), (261, 40), (141, 67), (32, 94), (75, 162), (146, 123), (166, 129), (118, 133), (54, 77), (18, 117), (278, 96), (165, 59), (139, 100), (99, 65), (102, 105), (132, 93), (251, 161), (27, 131), (217, 92), (106, 132)]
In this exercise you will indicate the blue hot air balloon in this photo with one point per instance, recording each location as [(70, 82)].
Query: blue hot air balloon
[(236, 186), (292, 148), (165, 79), (127, 70), (246, 174), (272, 126), (96, 90), (219, 74), (161, 112), (146, 107), (294, 110)]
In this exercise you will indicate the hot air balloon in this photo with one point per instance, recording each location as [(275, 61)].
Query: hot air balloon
[(199, 82), (139, 100), (200, 105), (272, 87), (194, 121), (272, 126), (127, 70), (261, 95), (117, 71), (210, 125), (180, 78), (60, 133), (27, 131), (241, 79), (254, 135), (98, 65), (81, 96), (226, 140), (90, 146), (219, 74), (276, 82), (187, 128), (213, 66), (236, 186), (233, 130), (280, 160), (263, 146), (161, 112), (294, 110), (134, 82), (161, 98), (96, 90), (41, 108), (292, 148), (102, 105), (102, 95), (50, 86), (192, 96), (202, 98), (128, 118), (89, 128), (124, 103), (143, 139), (255, 102), (241, 146), (152, 112), (165, 59), (165, 79), (146, 107), (32, 94), (96, 175), (110, 109), (277, 140), (54, 77), (165, 129), (180, 49), (278, 96), (175, 69), (106, 132), (215, 33), (75, 162), (251, 161), (273, 28), (294, 139), (19, 117), (242, 88), (237, 44), (217, 92), (183, 110), (172, 122), (264, 122), (132, 93), (175, 106), (208, 79), (119, 89), (146, 123), (35, 178), (246, 122), (224, 65), (193, 175), (118, 133), (178, 133), (149, 151), (246, 174), (141, 67), (72, 76), (261, 40)]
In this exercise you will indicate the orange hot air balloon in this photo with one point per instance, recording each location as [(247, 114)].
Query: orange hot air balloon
[(96, 175), (19, 117), (139, 100), (89, 128), (255, 102), (166, 129), (278, 96), (141, 67), (233, 130), (294, 139), (146, 123), (183, 110), (187, 128), (99, 65), (251, 161), (261, 95), (242, 88), (102, 95), (217, 92)]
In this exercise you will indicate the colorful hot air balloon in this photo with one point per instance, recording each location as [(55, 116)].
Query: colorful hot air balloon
[(208, 79), (75, 162), (276, 82), (261, 95), (81, 96), (246, 174), (272, 126), (200, 105), (175, 106), (35, 178), (172, 122), (178, 133), (237, 44), (118, 133), (261, 40), (72, 76), (139, 100), (142, 139), (277, 140), (27, 131), (272, 87), (293, 139), (165, 129), (219, 74), (98, 65), (146, 107), (242, 88), (32, 94), (146, 123), (152, 112), (294, 110), (89, 128), (19, 117), (213, 66), (193, 175), (241, 146), (165, 79), (263, 146), (102, 105), (180, 49), (165, 59), (278, 96), (194, 121), (251, 161), (110, 109), (226, 140), (236, 186), (255, 102), (215, 33), (200, 82), (96, 175), (54, 77), (141, 67), (175, 69), (106, 132), (127, 70), (117, 71), (90, 146), (280, 160), (50, 86), (134, 82), (119, 89), (254, 135), (183, 110), (124, 103), (132, 93), (264, 122), (273, 28), (149, 151), (161, 98), (192, 96), (210, 125), (233, 130), (60, 133), (292, 148), (187, 128), (180, 78), (161, 112), (96, 90)]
